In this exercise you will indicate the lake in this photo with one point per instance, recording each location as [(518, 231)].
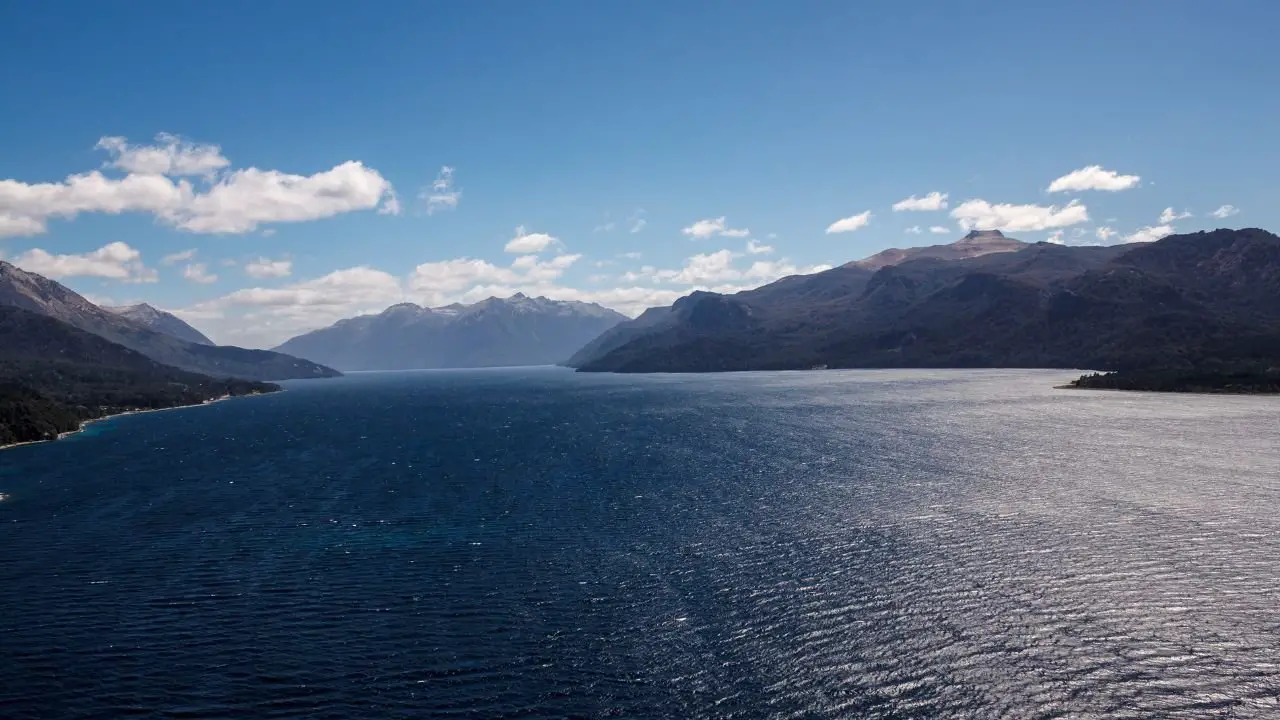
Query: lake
[(536, 543)]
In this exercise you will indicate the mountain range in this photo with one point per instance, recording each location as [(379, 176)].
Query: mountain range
[(518, 330), (986, 301), (38, 294)]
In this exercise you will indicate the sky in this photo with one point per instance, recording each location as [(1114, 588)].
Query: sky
[(265, 169)]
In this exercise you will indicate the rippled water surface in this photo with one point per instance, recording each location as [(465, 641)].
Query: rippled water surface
[(538, 543)]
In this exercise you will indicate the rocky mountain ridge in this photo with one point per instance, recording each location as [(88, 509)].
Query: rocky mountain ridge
[(35, 293), (1183, 300)]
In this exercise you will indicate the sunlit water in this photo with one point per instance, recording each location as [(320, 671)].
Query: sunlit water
[(538, 543)]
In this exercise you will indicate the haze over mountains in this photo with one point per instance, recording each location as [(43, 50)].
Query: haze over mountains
[(518, 330), (38, 294), (1185, 300)]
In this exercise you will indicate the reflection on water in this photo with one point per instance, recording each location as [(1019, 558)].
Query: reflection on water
[(538, 543)]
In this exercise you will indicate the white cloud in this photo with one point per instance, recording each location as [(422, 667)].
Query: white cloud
[(226, 202), (264, 317), (115, 261), (605, 227), (447, 277), (637, 221), (631, 255), (1169, 216), (982, 215), (527, 242), (714, 269), (851, 223), (1149, 234), (939, 230), (16, 225), (199, 273), (767, 271), (705, 228), (268, 268), (1055, 237), (26, 208), (933, 201), (1225, 211), (244, 199), (1093, 177), (441, 195), (645, 273), (441, 282), (338, 288), (390, 206), (1105, 233), (755, 248), (175, 258), (914, 230), (704, 268), (710, 227), (700, 269), (170, 155)]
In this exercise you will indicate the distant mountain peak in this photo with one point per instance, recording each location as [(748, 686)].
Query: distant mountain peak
[(135, 309), (974, 244), (160, 321), (982, 235), (404, 307)]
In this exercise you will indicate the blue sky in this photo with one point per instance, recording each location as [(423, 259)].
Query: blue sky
[(294, 146)]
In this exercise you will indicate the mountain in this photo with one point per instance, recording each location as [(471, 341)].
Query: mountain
[(1186, 300), (161, 321), (518, 330), (28, 291), (975, 244), (54, 376)]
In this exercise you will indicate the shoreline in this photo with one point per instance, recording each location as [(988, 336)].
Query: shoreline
[(1167, 392), (86, 423)]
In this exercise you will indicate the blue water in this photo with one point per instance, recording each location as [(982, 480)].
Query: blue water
[(542, 544)]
